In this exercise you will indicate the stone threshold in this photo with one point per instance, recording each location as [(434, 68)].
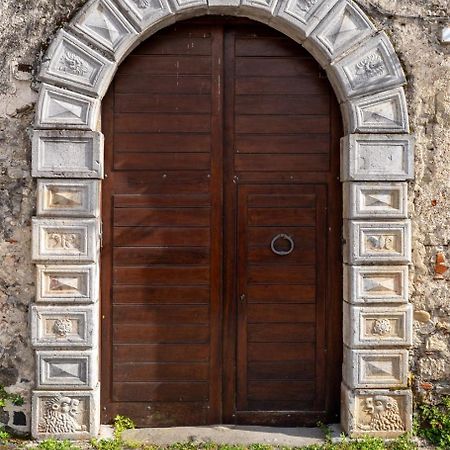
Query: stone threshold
[(230, 434)]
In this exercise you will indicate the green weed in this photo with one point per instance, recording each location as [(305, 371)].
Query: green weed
[(434, 423), (55, 444)]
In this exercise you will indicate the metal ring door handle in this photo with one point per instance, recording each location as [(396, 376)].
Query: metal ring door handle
[(283, 237)]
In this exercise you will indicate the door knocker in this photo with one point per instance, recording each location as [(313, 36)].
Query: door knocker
[(280, 251)]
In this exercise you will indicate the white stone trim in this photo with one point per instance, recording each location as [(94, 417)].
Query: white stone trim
[(367, 77)]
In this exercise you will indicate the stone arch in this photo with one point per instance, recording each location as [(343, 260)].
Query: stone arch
[(376, 162)]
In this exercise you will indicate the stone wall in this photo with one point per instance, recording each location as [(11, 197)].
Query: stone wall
[(414, 27)]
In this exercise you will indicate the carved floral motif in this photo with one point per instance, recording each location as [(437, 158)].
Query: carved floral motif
[(372, 66), (65, 241), (62, 327), (382, 327), (60, 416), (384, 414), (72, 63), (306, 5), (142, 4), (381, 243)]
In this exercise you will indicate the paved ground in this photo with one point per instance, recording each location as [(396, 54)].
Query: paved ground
[(229, 434)]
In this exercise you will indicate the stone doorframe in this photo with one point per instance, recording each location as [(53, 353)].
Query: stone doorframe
[(376, 162)]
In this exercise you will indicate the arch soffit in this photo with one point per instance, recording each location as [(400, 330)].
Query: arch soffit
[(376, 161)]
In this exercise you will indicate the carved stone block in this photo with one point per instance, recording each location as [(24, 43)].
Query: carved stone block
[(74, 240), (59, 284), (376, 412), (385, 112), (374, 327), (304, 15), (143, 13), (63, 326), (381, 200), (377, 242), (68, 198), (342, 28), (65, 414), (375, 368), (372, 66), (73, 64), (103, 24), (67, 154), (66, 369), (181, 5), (376, 284), (262, 5), (61, 108), (377, 157)]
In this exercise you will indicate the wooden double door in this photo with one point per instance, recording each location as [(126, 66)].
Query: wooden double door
[(221, 231)]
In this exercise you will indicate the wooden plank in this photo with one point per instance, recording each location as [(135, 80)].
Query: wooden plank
[(160, 392), (160, 294), (290, 86), (265, 255), (161, 161), (161, 143), (161, 314), (291, 293), (160, 334), (281, 390), (291, 370), (282, 200), (269, 46), (267, 274), (274, 124), (271, 216), (289, 163), (160, 372), (150, 276), (293, 143), (150, 84), (169, 103), (167, 65), (152, 236), (162, 123), (304, 237), (280, 352), (277, 66), (158, 200), (176, 44), (133, 256), (281, 332), (160, 353), (143, 217), (287, 313)]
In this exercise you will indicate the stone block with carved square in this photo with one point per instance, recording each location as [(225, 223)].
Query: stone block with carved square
[(64, 369), (61, 108), (72, 240), (67, 154), (375, 200), (375, 368), (67, 284), (375, 327), (377, 157), (375, 284), (68, 198), (65, 414), (376, 412), (64, 326), (377, 242)]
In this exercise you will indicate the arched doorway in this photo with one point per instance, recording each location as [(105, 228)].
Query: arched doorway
[(221, 268)]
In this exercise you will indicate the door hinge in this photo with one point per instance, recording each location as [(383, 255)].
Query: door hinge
[(101, 234)]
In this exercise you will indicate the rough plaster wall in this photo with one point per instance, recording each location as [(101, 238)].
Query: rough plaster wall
[(414, 27)]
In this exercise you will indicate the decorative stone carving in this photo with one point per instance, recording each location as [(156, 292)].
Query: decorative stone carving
[(376, 284), (62, 326), (375, 368), (372, 66), (188, 4), (304, 15), (266, 5), (61, 154), (381, 200), (377, 242), (65, 414), (384, 112), (385, 413), (68, 198), (59, 284), (377, 326), (146, 13), (103, 24), (61, 108), (65, 240), (342, 28), (75, 65), (66, 369), (371, 157)]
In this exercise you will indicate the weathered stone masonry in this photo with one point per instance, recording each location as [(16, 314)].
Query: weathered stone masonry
[(377, 160)]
